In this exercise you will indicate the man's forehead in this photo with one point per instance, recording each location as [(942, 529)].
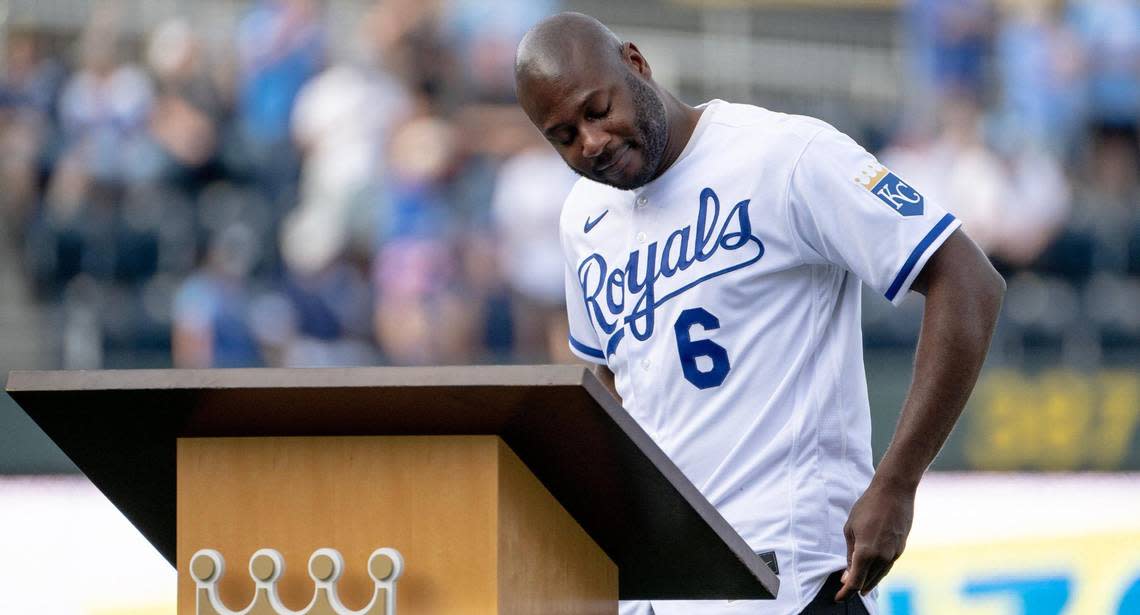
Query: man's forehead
[(570, 84), (554, 68), (569, 63), (548, 96)]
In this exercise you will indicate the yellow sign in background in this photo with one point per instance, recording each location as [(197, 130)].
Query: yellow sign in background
[(1057, 420)]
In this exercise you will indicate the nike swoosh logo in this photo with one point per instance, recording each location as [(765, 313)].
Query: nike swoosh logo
[(590, 224)]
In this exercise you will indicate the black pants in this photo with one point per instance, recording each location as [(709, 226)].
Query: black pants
[(825, 604)]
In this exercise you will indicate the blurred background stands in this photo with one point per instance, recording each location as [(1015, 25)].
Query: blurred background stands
[(307, 183)]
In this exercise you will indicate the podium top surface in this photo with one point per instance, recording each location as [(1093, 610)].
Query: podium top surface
[(121, 426)]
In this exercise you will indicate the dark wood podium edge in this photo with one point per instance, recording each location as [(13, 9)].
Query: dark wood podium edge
[(294, 378), (658, 458), (42, 381)]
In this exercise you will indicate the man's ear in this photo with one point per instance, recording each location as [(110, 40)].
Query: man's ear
[(637, 62)]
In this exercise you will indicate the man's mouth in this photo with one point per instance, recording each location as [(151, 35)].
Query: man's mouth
[(618, 157)]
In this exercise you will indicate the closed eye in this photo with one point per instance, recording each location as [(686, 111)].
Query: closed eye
[(566, 134), (563, 138), (596, 115)]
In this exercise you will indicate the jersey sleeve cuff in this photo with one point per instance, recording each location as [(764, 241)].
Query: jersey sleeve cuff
[(918, 257), (587, 353)]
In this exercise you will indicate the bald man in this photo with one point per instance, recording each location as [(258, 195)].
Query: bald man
[(714, 262)]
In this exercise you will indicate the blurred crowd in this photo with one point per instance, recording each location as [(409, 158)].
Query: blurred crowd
[(266, 201), (1023, 120), (263, 202)]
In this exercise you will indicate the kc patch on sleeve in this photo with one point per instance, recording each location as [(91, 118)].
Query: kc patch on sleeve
[(890, 189)]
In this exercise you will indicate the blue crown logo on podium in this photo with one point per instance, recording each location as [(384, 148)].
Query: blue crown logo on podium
[(325, 568)]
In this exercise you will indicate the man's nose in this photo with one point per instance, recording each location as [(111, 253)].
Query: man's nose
[(594, 141)]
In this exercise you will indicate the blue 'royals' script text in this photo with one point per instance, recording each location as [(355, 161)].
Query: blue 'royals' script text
[(607, 290)]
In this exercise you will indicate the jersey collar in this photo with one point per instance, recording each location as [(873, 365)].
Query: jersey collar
[(702, 123)]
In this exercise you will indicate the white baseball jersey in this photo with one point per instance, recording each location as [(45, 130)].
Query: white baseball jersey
[(725, 297)]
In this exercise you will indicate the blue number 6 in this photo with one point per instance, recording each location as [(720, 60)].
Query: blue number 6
[(689, 350)]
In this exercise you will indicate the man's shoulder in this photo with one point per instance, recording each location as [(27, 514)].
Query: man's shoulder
[(763, 127), (741, 115), (587, 198), (586, 191)]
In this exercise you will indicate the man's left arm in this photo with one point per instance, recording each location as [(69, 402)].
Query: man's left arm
[(963, 296)]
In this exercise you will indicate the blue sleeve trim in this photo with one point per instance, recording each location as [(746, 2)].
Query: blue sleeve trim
[(919, 250), (586, 350)]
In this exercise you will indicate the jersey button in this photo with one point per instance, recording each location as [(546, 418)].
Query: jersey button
[(645, 364), (641, 237), (642, 202)]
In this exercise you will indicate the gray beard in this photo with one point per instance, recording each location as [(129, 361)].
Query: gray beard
[(653, 129), (653, 126)]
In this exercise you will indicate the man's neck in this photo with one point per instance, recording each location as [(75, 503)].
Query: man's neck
[(682, 122)]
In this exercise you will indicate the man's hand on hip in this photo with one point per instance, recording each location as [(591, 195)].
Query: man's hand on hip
[(876, 535)]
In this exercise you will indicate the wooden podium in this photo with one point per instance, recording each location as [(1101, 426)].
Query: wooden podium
[(522, 489)]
